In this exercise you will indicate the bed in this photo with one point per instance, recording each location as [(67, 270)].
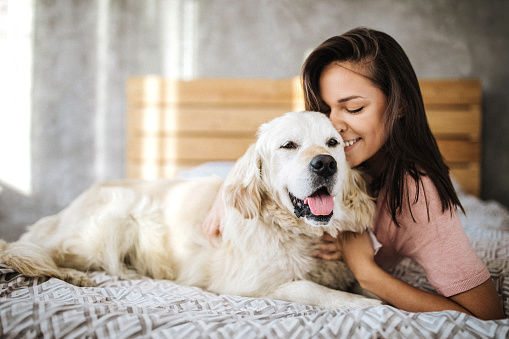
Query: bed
[(196, 128)]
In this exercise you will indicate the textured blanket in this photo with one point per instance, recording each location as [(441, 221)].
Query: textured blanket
[(42, 308)]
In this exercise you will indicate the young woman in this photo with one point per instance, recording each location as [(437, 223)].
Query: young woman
[(364, 82)]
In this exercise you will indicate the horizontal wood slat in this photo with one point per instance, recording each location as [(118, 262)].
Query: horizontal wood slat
[(468, 175), (176, 124), (188, 148), (451, 91), (460, 150), (217, 119), (155, 89), (453, 122)]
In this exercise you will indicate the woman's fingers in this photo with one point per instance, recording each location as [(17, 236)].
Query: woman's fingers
[(212, 227), (328, 248), (326, 237), (213, 224), (331, 256)]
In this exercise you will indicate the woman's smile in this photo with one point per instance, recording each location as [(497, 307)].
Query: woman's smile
[(350, 143)]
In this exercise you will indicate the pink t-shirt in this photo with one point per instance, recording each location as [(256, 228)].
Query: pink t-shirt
[(439, 245)]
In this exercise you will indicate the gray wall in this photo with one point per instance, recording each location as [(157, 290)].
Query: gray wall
[(85, 50)]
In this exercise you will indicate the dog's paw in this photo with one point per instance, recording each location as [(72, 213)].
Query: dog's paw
[(75, 277), (350, 302), (128, 274)]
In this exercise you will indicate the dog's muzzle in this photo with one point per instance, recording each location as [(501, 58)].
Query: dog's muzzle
[(318, 206)]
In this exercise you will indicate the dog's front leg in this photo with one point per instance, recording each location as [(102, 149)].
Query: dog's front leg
[(311, 293)]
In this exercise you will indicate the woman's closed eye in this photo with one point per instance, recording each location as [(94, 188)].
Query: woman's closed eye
[(353, 111)]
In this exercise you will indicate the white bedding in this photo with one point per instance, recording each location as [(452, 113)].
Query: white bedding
[(161, 309)]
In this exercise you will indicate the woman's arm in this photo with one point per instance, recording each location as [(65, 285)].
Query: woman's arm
[(483, 300), (212, 225), (357, 252)]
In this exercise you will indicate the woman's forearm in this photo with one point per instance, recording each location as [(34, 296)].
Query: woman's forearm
[(356, 251), (402, 295)]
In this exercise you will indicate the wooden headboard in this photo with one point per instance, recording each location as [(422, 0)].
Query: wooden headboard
[(175, 124)]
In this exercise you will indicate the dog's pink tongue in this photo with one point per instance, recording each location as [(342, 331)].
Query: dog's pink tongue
[(321, 204)]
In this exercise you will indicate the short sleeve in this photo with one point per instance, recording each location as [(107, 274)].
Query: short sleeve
[(437, 242)]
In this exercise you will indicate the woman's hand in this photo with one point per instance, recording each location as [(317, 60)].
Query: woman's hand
[(357, 252), (213, 224), (329, 248), (355, 249)]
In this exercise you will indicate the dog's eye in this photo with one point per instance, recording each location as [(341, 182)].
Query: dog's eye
[(333, 142), (289, 145)]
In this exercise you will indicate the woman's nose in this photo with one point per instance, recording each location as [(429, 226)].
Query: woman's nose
[(337, 122)]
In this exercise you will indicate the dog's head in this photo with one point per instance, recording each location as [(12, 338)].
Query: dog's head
[(297, 172)]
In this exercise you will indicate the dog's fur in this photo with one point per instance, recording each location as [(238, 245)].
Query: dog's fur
[(153, 228)]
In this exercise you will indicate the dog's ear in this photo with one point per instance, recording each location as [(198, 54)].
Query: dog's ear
[(357, 201), (242, 186)]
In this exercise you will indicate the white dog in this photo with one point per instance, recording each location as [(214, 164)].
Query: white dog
[(289, 188)]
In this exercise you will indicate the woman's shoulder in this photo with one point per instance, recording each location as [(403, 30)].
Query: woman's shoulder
[(422, 188), (421, 203), (421, 217)]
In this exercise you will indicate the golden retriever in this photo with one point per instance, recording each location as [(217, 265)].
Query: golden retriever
[(289, 188)]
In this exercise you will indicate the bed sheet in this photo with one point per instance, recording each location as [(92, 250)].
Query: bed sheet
[(148, 308)]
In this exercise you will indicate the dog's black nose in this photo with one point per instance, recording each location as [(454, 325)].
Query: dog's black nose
[(324, 165)]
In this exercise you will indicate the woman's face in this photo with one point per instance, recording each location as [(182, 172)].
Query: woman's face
[(357, 109)]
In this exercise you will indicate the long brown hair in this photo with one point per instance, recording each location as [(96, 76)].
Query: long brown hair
[(410, 148)]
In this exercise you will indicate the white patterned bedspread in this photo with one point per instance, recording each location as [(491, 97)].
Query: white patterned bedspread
[(37, 308)]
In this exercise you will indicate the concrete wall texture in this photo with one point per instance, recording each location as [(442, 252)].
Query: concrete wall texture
[(84, 50)]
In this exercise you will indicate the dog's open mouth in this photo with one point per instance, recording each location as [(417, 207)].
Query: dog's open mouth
[(318, 206)]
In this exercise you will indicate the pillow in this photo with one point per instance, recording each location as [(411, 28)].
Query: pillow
[(218, 168)]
